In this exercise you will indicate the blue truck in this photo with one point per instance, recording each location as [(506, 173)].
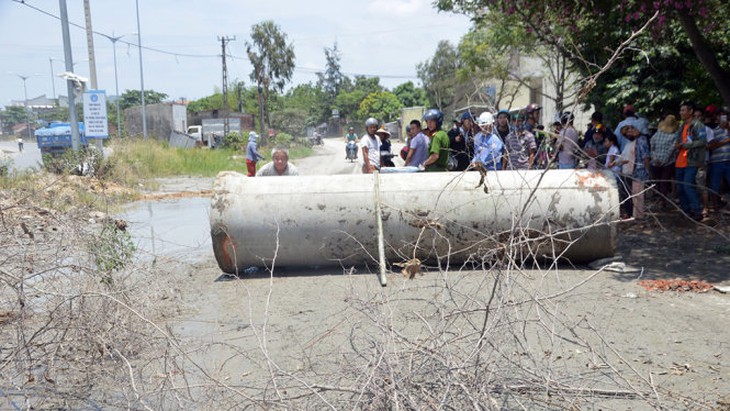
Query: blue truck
[(56, 138)]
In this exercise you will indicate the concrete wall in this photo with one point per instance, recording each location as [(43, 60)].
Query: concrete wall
[(409, 114), (162, 119)]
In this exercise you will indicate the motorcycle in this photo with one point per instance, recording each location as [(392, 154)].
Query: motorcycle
[(386, 159), (351, 150), (316, 139)]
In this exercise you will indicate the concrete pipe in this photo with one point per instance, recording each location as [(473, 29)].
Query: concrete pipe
[(447, 218)]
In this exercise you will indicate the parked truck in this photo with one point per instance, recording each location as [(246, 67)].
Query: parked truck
[(211, 134), (56, 138)]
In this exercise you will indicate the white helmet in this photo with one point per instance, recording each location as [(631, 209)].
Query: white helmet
[(485, 119)]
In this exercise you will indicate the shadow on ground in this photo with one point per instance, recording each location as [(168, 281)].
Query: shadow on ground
[(671, 246)]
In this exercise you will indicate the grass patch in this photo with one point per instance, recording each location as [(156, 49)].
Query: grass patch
[(133, 160)]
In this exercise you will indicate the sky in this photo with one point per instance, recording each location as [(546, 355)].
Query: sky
[(387, 38)]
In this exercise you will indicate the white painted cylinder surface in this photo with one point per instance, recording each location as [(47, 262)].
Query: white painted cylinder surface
[(436, 217)]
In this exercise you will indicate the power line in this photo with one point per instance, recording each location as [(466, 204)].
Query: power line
[(307, 70)]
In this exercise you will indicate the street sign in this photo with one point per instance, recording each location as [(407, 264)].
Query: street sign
[(95, 120)]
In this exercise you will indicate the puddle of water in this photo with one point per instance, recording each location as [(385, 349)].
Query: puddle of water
[(178, 228)]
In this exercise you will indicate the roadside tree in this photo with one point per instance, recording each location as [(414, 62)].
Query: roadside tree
[(272, 58), (382, 105)]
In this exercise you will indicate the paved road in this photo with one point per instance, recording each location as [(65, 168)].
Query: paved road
[(29, 158), (329, 159)]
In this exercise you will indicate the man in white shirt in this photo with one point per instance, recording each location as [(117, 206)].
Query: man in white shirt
[(370, 146)]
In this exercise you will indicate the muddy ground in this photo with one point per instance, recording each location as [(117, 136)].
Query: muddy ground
[(651, 349), (551, 337)]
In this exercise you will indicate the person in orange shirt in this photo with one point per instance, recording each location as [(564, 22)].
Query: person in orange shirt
[(691, 155)]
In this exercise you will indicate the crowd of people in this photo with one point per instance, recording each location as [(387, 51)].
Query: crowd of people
[(685, 158)]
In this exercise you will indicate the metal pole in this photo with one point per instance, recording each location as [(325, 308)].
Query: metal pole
[(141, 74), (92, 61), (53, 80), (116, 84), (261, 114), (25, 104), (75, 143)]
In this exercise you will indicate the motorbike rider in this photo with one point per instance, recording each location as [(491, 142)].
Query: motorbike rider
[(351, 136), (438, 157), (370, 146)]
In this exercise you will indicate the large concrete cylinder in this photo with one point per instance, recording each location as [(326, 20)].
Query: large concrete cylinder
[(439, 217)]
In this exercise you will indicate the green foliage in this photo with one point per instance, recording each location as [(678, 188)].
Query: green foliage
[(349, 100), (72, 162), (112, 250), (410, 95), (13, 115), (6, 163), (233, 140), (272, 59), (271, 56), (659, 68), (284, 140), (382, 105), (290, 120), (144, 159), (131, 98), (439, 75)]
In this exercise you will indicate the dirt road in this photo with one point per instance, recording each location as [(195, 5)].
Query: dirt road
[(505, 337)]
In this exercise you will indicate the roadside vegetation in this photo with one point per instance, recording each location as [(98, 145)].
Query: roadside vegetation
[(134, 160)]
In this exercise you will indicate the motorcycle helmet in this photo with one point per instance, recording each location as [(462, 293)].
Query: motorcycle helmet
[(467, 116), (435, 115), (485, 119), (566, 117), (531, 108), (371, 122), (505, 112)]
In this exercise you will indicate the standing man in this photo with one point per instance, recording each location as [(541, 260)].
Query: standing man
[(418, 146), (663, 155), (488, 146), (350, 136), (567, 142), (691, 156), (370, 146), (252, 154), (533, 117), (438, 152), (520, 146), (468, 130), (719, 167)]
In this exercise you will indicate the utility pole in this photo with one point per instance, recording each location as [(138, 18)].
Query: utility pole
[(226, 110), (75, 141), (92, 60), (90, 45), (141, 74), (53, 81)]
